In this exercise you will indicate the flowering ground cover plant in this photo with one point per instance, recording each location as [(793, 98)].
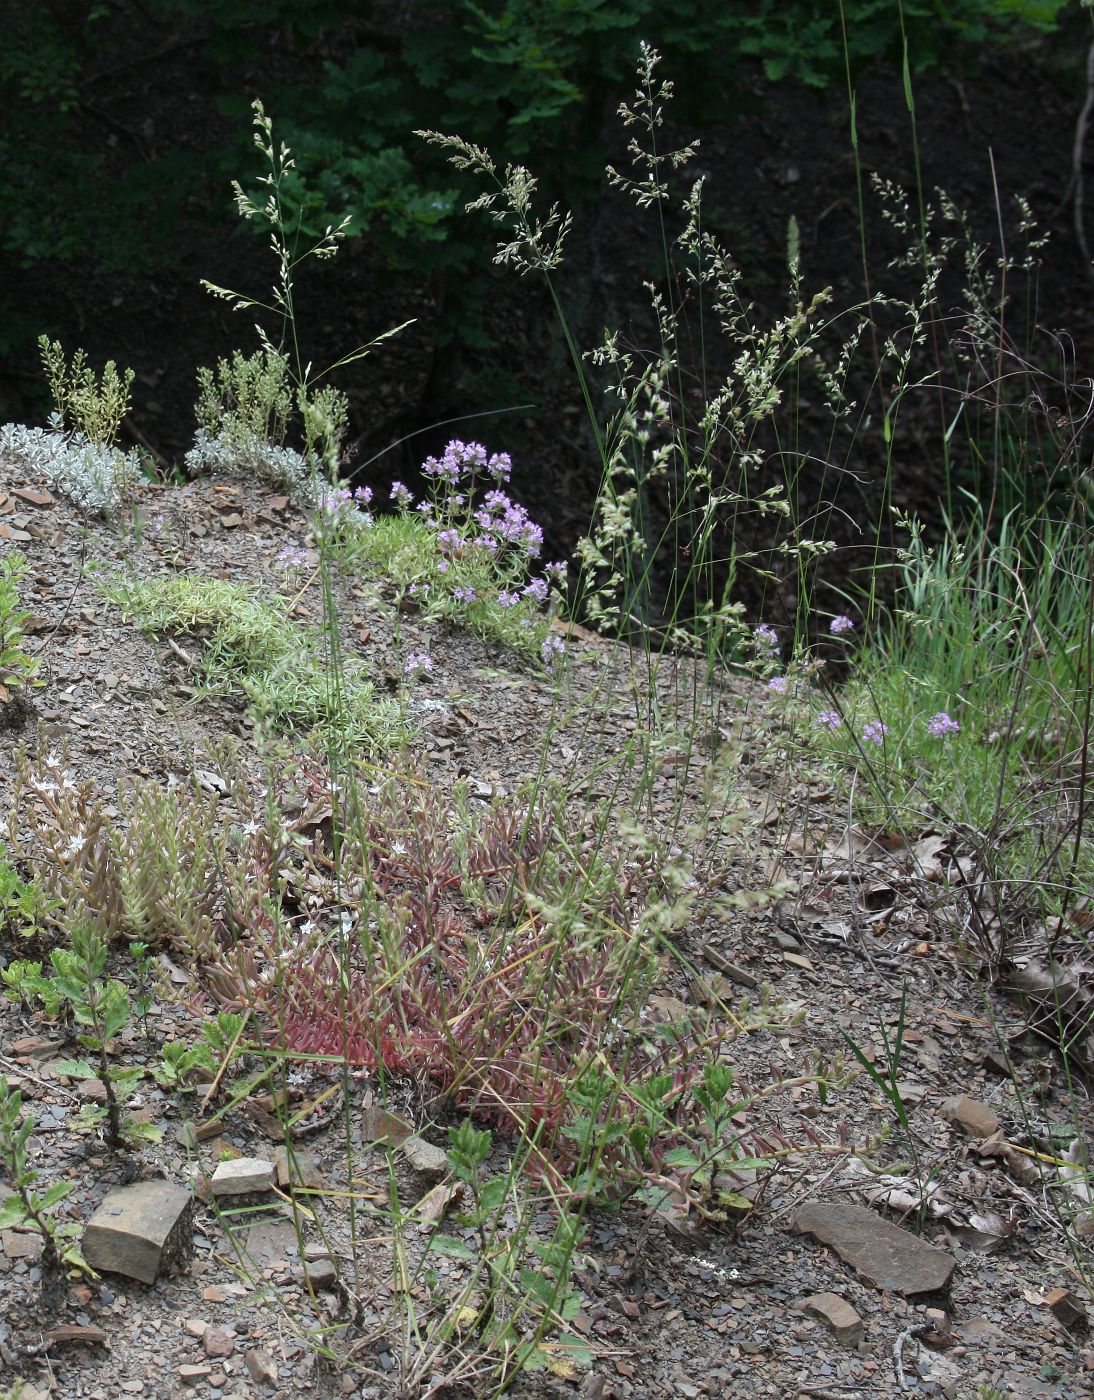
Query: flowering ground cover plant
[(466, 552)]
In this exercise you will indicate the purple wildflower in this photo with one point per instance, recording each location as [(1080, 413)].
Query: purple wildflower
[(777, 684), (939, 725), (875, 732), (417, 663), (500, 466), (829, 719), (463, 593), (400, 495), (841, 623), (536, 589), (765, 638), (508, 600), (557, 571), (552, 650)]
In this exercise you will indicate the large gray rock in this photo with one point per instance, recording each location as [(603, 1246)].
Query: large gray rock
[(881, 1253), (140, 1230)]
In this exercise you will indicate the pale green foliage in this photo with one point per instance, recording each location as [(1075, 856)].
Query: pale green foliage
[(94, 409), (246, 398), (245, 406), (252, 649)]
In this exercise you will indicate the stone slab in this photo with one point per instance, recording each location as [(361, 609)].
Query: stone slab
[(140, 1230), (882, 1253)]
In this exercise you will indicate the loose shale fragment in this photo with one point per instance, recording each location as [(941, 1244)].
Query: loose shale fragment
[(140, 1231)]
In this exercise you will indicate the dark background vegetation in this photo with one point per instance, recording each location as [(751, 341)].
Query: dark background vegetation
[(125, 120)]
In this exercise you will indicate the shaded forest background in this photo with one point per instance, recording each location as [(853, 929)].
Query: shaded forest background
[(125, 121)]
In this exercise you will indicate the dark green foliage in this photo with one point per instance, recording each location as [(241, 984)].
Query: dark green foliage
[(535, 81)]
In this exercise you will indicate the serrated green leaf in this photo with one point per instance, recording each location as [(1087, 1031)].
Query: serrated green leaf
[(76, 1069)]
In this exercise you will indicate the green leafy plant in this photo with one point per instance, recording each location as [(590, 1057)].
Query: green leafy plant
[(25, 907), (27, 1207), (99, 1007), (524, 1308), (244, 408), (17, 669)]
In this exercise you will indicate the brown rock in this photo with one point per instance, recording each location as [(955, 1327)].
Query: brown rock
[(261, 1366), (298, 1170), (882, 1253), (71, 1333), (139, 1230), (377, 1125), (219, 1341), (1066, 1309), (732, 970), (973, 1117), (837, 1313)]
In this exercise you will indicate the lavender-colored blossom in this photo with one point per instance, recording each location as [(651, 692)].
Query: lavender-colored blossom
[(449, 540), (417, 663), (552, 650), (500, 466), (557, 571), (939, 725), (875, 732), (507, 599), (765, 637), (841, 623), (401, 495), (463, 593), (778, 684), (291, 557), (537, 589), (829, 719), (363, 494)]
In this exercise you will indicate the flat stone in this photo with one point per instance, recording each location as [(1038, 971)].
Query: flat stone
[(219, 1341), (971, 1116), (734, 971), (427, 1160), (192, 1374), (882, 1253), (377, 1125), (19, 1244), (320, 1272), (241, 1177), (300, 1169), (837, 1313), (1067, 1309), (140, 1230), (261, 1367)]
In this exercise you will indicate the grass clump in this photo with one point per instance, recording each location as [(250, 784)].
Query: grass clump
[(252, 649)]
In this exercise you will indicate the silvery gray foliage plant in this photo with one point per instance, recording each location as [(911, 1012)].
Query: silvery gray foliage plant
[(281, 466), (94, 476)]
